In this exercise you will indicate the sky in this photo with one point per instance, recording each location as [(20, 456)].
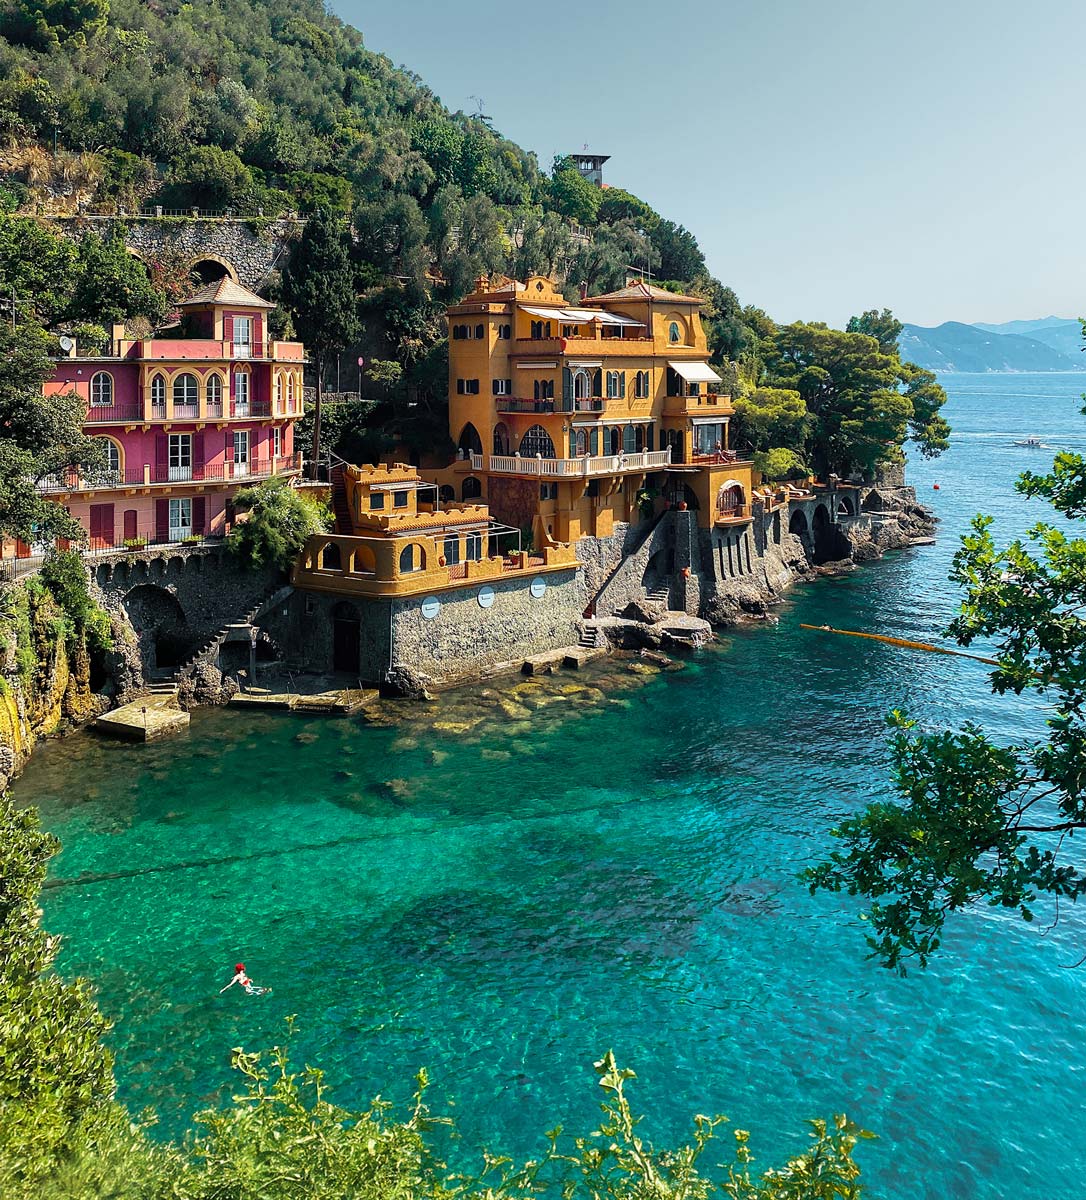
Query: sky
[(830, 155)]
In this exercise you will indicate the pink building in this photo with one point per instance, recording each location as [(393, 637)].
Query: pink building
[(187, 420)]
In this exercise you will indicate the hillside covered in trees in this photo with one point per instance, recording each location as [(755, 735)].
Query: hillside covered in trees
[(260, 107)]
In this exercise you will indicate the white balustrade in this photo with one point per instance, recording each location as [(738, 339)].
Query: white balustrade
[(575, 468)]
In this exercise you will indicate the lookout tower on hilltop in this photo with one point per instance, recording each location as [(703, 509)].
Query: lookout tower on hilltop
[(590, 165)]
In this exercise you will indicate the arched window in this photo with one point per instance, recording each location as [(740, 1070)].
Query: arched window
[(214, 394), (278, 389), (470, 442), (629, 439), (290, 388), (185, 391), (158, 392), (582, 384), (614, 440), (407, 560), (101, 390), (674, 333), (729, 499), (472, 488), (537, 441), (580, 445), (113, 460), (502, 443)]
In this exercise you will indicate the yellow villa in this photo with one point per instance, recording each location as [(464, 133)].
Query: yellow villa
[(568, 418)]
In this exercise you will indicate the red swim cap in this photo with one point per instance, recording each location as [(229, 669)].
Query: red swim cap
[(239, 966)]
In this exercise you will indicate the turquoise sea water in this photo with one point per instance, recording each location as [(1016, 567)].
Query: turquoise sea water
[(502, 900)]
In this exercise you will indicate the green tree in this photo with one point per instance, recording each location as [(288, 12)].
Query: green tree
[(769, 417), (976, 822), (37, 265), (680, 255), (319, 289), (883, 326), (280, 521), (620, 205), (928, 428), (572, 195), (850, 388), (209, 177), (43, 438), (55, 1073), (604, 262), (111, 284)]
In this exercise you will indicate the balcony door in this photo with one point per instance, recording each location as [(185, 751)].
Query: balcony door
[(243, 337), (241, 452), (180, 456), (180, 519)]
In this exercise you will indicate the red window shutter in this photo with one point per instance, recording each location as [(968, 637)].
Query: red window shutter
[(288, 440), (198, 455), (199, 514), (162, 520), (101, 526), (162, 456), (131, 524), (227, 329)]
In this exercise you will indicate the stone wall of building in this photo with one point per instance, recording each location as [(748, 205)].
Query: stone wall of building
[(177, 599), (465, 640), (251, 249)]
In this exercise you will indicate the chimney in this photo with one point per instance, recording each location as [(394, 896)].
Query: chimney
[(117, 337), (584, 289)]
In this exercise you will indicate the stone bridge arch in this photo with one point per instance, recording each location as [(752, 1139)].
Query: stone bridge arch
[(178, 602), (248, 250)]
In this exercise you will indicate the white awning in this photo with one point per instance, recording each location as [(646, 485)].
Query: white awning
[(708, 420), (608, 318), (695, 372), (552, 314), (536, 366), (584, 362)]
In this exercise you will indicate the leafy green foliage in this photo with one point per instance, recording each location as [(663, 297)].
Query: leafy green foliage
[(43, 436), (111, 284), (862, 399), (572, 195), (39, 266), (280, 520), (767, 417), (978, 822), (780, 463), (65, 575), (55, 1074), (883, 326)]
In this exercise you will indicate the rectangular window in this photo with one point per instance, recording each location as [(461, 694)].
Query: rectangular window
[(180, 519), (241, 452), (399, 499), (277, 442), (473, 547), (377, 500), (503, 387), (241, 393), (467, 387), (180, 456), (548, 491), (243, 337)]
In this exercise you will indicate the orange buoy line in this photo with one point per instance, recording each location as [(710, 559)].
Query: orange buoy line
[(893, 641)]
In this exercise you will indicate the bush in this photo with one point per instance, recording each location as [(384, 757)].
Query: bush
[(279, 522), (64, 575)]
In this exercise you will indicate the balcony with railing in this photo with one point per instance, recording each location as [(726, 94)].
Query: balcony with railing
[(704, 404), (575, 468), (150, 475), (205, 349)]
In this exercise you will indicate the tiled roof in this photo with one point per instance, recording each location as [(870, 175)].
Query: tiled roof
[(645, 291), (225, 291)]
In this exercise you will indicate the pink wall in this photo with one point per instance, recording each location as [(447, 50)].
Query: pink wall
[(72, 376)]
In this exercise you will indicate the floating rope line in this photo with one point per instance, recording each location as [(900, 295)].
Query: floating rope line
[(908, 645)]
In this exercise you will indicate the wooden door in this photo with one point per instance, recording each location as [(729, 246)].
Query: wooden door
[(101, 526)]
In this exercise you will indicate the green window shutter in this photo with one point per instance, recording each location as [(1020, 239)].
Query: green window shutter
[(622, 384)]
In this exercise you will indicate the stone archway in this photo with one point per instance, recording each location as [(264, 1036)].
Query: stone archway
[(797, 523), (210, 268), (165, 636)]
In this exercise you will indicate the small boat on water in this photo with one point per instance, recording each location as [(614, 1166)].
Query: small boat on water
[(1034, 443)]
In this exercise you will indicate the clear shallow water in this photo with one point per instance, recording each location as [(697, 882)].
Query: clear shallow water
[(502, 903)]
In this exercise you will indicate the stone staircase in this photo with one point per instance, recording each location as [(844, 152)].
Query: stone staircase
[(209, 652), (162, 689), (340, 506), (591, 637), (661, 594)]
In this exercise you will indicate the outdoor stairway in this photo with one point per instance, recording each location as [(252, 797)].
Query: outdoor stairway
[(210, 650), (162, 689), (340, 506), (661, 594), (589, 638)]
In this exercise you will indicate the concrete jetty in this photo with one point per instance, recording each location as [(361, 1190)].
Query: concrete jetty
[(150, 717)]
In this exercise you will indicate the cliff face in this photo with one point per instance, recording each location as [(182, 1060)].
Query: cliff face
[(48, 677)]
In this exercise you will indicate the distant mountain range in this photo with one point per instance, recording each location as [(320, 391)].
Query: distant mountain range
[(1048, 344)]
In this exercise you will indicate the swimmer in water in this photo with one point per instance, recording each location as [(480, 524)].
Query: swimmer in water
[(241, 978)]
